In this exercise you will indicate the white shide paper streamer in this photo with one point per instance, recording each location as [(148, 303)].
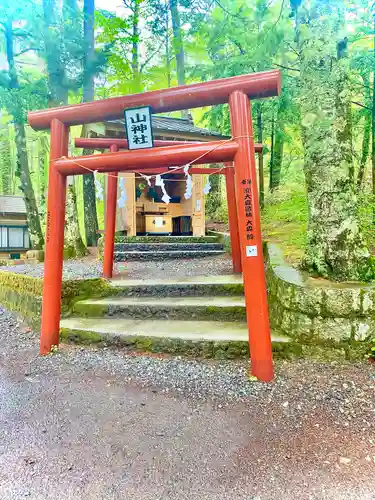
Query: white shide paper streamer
[(121, 202)]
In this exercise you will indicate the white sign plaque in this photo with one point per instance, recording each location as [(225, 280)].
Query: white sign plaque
[(251, 251), (139, 128)]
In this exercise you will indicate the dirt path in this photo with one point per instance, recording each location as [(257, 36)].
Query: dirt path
[(88, 425)]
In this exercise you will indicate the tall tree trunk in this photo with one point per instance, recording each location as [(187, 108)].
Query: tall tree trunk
[(135, 42), (278, 153), (89, 40), (73, 246), (178, 46), (366, 135), (272, 152), (167, 51), (260, 155), (89, 201), (22, 170), (335, 246), (53, 41), (278, 147), (33, 220), (73, 243), (59, 95), (43, 155), (6, 164), (373, 120)]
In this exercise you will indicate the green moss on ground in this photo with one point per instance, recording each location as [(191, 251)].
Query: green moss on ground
[(322, 351), (284, 221), (23, 294)]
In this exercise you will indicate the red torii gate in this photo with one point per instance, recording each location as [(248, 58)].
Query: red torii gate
[(114, 145), (236, 91)]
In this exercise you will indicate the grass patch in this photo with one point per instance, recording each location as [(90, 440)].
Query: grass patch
[(284, 221)]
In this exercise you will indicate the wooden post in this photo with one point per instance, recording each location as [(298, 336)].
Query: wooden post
[(251, 238)]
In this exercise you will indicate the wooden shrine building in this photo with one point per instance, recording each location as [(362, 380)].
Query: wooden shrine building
[(145, 212)]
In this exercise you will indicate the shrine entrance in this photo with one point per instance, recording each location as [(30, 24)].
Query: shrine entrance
[(240, 150), (198, 201)]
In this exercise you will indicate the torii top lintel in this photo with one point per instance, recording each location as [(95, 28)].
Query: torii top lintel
[(256, 85)]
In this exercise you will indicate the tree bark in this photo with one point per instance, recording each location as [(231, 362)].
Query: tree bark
[(89, 40), (135, 42), (33, 220), (260, 155), (43, 173), (6, 162), (89, 201), (167, 51), (178, 46), (335, 246), (278, 152), (373, 121), (272, 152), (53, 43), (59, 95), (73, 243), (366, 135), (22, 170), (278, 147)]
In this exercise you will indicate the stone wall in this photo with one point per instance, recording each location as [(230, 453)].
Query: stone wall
[(223, 238), (23, 294), (312, 310)]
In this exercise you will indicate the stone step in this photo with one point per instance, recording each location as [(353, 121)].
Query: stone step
[(166, 247), (205, 338), (182, 308), (225, 285), (166, 239), (165, 255)]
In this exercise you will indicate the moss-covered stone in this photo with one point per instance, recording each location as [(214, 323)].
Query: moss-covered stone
[(368, 301), (341, 302), (21, 283), (295, 323), (80, 336), (285, 293), (321, 350), (90, 309), (336, 329), (307, 300), (37, 255), (75, 290), (363, 329), (313, 311), (23, 294), (180, 290)]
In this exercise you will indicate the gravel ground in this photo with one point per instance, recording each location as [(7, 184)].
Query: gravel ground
[(174, 268), (94, 424)]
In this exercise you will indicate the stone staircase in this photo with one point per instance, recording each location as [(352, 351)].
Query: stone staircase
[(167, 247), (200, 316)]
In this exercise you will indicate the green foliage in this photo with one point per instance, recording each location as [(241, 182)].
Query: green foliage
[(371, 354), (6, 166), (215, 201), (135, 51), (284, 220)]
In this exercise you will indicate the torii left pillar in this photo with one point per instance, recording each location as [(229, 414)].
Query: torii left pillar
[(110, 222), (53, 263)]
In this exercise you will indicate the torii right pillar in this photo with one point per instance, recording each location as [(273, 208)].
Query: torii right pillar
[(250, 238)]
